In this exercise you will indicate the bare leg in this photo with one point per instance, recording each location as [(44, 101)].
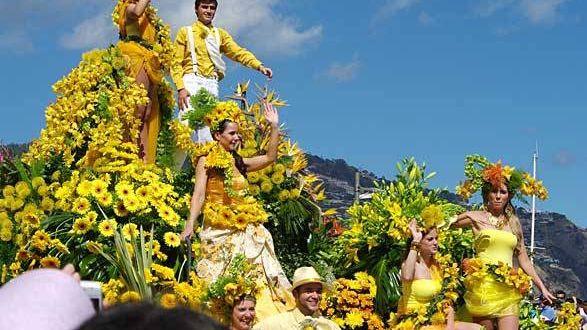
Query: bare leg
[(508, 322), (467, 326), (487, 323), (143, 113)]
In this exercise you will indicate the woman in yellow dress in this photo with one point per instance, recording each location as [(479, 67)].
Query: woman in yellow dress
[(422, 280), (233, 220), (498, 239), (139, 40)]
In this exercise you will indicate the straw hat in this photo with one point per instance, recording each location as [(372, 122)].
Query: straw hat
[(305, 275)]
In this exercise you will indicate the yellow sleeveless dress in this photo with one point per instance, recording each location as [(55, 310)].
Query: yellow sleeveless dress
[(489, 298), (418, 293), (220, 245), (138, 58)]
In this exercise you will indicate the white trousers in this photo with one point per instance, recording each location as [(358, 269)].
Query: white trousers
[(193, 83)]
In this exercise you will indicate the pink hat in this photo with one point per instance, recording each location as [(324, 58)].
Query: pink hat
[(43, 299)]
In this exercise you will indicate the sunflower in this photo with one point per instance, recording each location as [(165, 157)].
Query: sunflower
[(41, 240), (104, 199), (124, 189)]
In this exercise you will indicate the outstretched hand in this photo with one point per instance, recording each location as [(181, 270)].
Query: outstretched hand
[(267, 72), (271, 114), (416, 234)]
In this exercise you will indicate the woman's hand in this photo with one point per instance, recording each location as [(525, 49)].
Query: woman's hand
[(416, 234), (271, 114), (188, 231), (546, 294)]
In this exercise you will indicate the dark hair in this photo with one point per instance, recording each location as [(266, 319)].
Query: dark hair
[(238, 159), (145, 316), (198, 2)]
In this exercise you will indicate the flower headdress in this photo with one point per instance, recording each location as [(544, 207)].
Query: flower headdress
[(238, 282), (480, 173)]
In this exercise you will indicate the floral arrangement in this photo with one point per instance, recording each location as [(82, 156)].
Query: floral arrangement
[(246, 211), (350, 303), (433, 313), (476, 269), (163, 45), (380, 225), (481, 172), (238, 282)]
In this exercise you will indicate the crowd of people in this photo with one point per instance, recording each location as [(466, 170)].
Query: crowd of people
[(51, 299)]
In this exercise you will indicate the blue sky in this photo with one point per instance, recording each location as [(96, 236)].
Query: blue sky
[(368, 81)]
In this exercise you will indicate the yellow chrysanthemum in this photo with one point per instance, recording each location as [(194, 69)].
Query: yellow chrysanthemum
[(99, 188), (130, 296), (168, 300), (107, 227), (283, 195), (354, 319), (41, 240), (37, 182), (47, 204), (84, 188), (432, 216), (171, 239), (266, 186), (130, 231), (81, 205), (124, 189), (81, 226), (50, 262), (277, 178), (22, 189), (104, 199)]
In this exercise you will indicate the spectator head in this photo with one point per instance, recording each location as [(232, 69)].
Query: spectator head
[(145, 316), (307, 290), (44, 299), (560, 295)]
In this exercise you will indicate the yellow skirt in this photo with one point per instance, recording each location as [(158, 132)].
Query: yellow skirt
[(492, 299), (139, 58)]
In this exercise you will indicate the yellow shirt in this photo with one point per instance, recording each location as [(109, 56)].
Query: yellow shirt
[(206, 68), (293, 319)]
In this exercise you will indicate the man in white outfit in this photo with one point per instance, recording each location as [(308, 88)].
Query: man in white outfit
[(199, 48)]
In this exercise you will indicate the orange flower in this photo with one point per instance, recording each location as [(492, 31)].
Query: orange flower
[(494, 174)]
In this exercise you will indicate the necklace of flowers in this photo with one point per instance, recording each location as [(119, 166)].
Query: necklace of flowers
[(220, 159)]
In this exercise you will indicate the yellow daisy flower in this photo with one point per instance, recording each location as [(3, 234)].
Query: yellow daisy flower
[(50, 262), (107, 227), (171, 239), (81, 226)]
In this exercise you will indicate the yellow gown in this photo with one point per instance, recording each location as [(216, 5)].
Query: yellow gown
[(220, 245), (488, 298), (139, 57), (418, 293)]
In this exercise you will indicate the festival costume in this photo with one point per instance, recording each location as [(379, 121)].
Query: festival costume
[(220, 243), (294, 319), (416, 294), (199, 50), (487, 297), (140, 38)]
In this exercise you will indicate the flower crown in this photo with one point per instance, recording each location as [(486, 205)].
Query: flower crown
[(209, 111), (238, 282), (480, 173)]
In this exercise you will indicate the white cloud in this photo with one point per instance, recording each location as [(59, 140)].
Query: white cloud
[(489, 7), (253, 23), (392, 7), (90, 33), (541, 11), (535, 11), (564, 158), (16, 42), (342, 72), (425, 19)]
